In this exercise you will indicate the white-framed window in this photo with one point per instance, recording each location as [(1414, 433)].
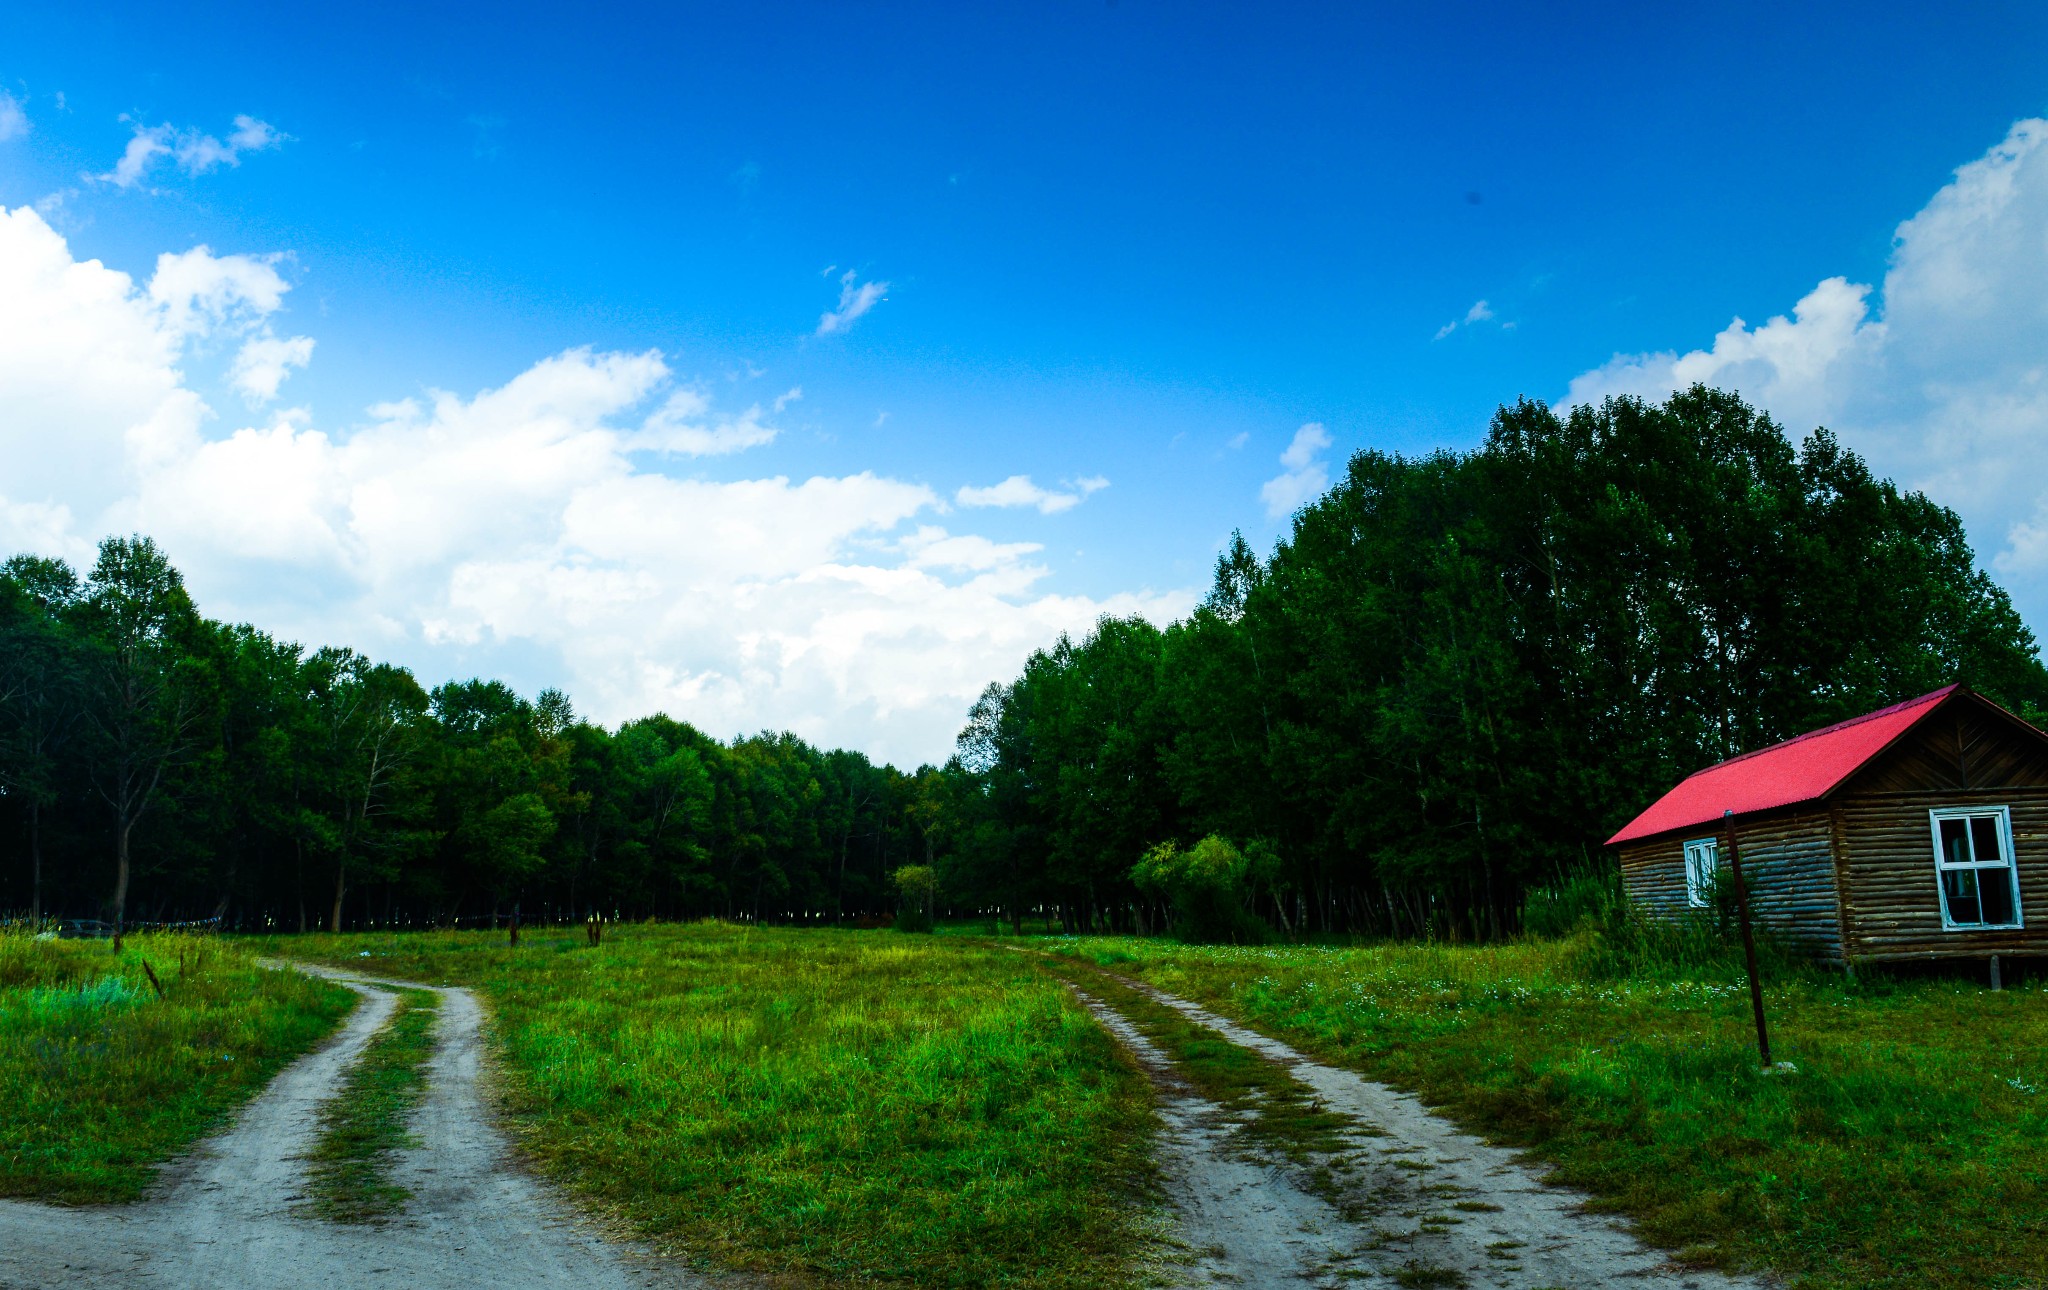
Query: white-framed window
[(1973, 862), (1702, 856)]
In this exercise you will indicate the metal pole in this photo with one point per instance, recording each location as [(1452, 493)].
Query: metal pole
[(1756, 986)]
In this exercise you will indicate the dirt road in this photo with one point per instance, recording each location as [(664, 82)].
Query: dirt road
[(226, 1217), (1415, 1203)]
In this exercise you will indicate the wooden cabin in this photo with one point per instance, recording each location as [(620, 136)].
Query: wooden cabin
[(1916, 831)]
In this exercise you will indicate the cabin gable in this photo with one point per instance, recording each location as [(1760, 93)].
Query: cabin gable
[(1966, 745)]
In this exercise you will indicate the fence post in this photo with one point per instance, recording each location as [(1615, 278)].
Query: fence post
[(1756, 986)]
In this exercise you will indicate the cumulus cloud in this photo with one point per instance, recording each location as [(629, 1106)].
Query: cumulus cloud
[(853, 302), (685, 425), (200, 292), (193, 151), (13, 117), (263, 362), (528, 530), (1018, 490), (1306, 474), (1939, 376)]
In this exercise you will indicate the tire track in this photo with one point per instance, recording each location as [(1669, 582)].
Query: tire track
[(1416, 1201), (223, 1218)]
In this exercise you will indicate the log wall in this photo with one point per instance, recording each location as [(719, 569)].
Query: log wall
[(1892, 900), (1787, 860), (1964, 754)]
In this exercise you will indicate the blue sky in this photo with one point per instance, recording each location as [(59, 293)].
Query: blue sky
[(1130, 242)]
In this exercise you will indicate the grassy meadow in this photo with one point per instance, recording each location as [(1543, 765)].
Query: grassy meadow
[(1910, 1149), (818, 1106), (827, 1106), (102, 1081)]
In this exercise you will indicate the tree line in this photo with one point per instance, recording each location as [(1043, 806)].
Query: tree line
[(157, 765), (1458, 674), (1451, 680)]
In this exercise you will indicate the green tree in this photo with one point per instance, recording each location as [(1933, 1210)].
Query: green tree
[(142, 697), (369, 724), (39, 694)]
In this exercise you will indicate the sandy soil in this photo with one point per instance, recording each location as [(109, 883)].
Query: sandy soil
[(1418, 1196), (226, 1216)]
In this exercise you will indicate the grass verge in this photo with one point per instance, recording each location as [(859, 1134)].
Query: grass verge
[(818, 1106), (102, 1081), (1911, 1149), (363, 1127)]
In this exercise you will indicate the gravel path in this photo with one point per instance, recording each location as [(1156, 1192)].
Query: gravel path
[(1422, 1202), (225, 1217)]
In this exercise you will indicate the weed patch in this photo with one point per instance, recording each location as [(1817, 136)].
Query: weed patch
[(363, 1127), (102, 1080)]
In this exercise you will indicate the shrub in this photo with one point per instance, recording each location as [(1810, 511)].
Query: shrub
[(918, 888), (1209, 886), (1590, 894)]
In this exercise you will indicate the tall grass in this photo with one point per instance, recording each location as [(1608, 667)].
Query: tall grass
[(823, 1106), (101, 1081), (1910, 1149), (1604, 936)]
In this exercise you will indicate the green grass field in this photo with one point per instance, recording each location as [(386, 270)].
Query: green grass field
[(101, 1081), (827, 1106), (819, 1106), (1910, 1150)]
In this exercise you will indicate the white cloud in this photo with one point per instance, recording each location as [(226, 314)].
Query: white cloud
[(264, 361), (1939, 376), (252, 135), (1018, 490), (853, 302), (194, 151), (1306, 475), (931, 547), (1479, 312), (685, 425), (787, 397), (144, 146), (522, 531), (13, 118), (200, 292)]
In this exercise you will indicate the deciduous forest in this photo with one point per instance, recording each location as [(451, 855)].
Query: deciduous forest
[(1451, 679)]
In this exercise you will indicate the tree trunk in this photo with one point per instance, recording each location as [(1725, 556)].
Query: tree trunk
[(35, 859), (121, 881), (340, 889), (515, 924)]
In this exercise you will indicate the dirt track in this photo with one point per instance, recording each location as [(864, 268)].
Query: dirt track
[(225, 1217), (1423, 1203)]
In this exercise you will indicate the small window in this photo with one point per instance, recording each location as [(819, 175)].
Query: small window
[(1701, 857), (1973, 862)]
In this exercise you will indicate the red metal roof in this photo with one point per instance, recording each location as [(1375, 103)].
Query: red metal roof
[(1786, 774)]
